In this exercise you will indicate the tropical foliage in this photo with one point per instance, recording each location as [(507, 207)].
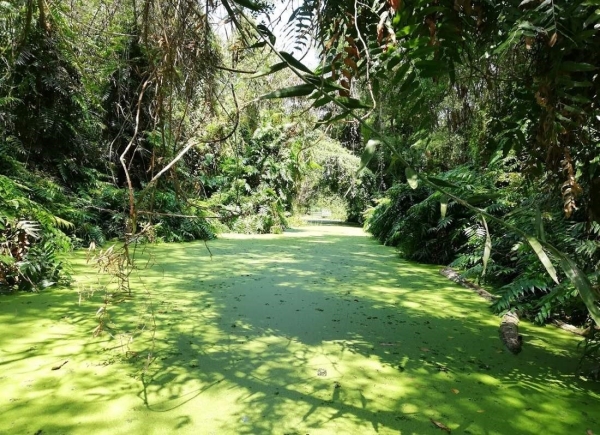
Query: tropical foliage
[(506, 90), (476, 123)]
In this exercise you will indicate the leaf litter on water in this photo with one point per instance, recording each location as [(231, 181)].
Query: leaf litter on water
[(441, 426)]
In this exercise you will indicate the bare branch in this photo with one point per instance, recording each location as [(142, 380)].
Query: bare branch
[(193, 143)]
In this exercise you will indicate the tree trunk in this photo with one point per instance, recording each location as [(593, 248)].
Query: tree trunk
[(509, 332)]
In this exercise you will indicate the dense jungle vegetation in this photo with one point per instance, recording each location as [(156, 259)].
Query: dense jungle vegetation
[(463, 132)]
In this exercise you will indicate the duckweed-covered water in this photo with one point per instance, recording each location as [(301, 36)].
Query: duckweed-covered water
[(317, 331)]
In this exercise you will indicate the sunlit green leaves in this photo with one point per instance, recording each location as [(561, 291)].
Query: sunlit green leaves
[(539, 224), (589, 295), (294, 62), (289, 92), (544, 259), (271, 70), (352, 103)]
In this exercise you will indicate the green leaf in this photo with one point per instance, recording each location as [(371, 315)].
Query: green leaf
[(539, 225), (442, 183), (272, 69), (578, 98), (583, 285), (258, 44), (395, 60), (59, 222), (368, 153), (431, 68), (487, 249), (249, 4), (327, 119), (264, 30), (321, 102), (294, 62), (320, 82), (576, 67), (410, 78), (292, 91), (7, 259), (537, 248), (323, 69), (411, 177), (352, 103), (406, 30), (592, 18), (481, 197), (572, 109), (400, 73)]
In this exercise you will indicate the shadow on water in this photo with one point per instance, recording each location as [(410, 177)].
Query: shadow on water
[(318, 331)]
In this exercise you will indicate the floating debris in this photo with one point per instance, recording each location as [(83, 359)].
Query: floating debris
[(441, 426)]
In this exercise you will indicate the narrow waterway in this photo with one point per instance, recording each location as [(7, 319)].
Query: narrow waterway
[(317, 331)]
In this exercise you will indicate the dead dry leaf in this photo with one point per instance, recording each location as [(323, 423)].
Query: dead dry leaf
[(441, 426), (394, 4), (455, 391)]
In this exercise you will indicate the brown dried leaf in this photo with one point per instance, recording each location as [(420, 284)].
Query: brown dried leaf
[(441, 426), (541, 100), (330, 43), (380, 28), (553, 39), (395, 4), (528, 42), (349, 62), (589, 432), (455, 391), (570, 189), (352, 51)]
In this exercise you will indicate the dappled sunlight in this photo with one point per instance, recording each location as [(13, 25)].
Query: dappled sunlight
[(283, 334)]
